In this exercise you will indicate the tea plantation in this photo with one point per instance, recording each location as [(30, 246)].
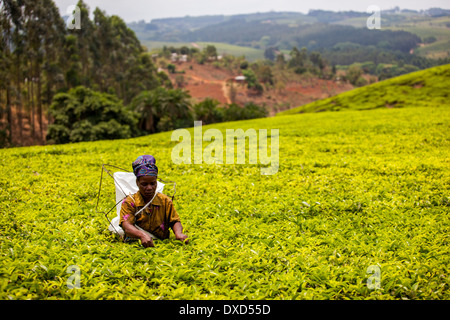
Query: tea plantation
[(356, 191), (429, 87)]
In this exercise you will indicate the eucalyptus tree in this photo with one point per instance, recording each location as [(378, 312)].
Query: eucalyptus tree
[(40, 57), (44, 32), (11, 52)]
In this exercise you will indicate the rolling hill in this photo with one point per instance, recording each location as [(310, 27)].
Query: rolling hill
[(211, 81), (428, 87), (319, 29), (355, 190)]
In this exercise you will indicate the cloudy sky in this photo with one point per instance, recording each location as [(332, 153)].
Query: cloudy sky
[(135, 10)]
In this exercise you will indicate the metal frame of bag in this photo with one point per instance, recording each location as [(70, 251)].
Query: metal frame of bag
[(116, 183)]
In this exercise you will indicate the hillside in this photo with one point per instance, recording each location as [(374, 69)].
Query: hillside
[(208, 81), (402, 30), (428, 87), (250, 54), (355, 190)]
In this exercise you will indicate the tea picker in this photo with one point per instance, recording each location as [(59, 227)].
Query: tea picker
[(145, 215)]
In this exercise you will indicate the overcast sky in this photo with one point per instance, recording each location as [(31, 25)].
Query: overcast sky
[(135, 10)]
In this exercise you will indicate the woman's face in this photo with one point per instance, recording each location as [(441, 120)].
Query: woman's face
[(147, 186)]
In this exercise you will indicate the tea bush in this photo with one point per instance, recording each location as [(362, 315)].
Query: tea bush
[(354, 189), (423, 88)]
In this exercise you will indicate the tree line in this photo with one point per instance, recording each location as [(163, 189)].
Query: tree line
[(339, 44), (96, 82), (314, 36), (82, 114), (40, 57)]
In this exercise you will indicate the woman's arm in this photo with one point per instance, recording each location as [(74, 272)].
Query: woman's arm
[(178, 231), (133, 232)]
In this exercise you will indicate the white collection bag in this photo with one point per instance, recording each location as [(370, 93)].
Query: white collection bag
[(125, 183)]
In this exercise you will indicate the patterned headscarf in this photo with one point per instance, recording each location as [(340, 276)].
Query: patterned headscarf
[(145, 166)]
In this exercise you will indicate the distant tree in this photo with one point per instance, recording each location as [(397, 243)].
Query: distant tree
[(429, 39), (164, 80), (232, 112), (208, 111), (316, 59), (264, 41), (210, 52), (244, 65), (265, 74), (171, 68), (270, 53), (163, 109), (280, 60), (148, 108), (360, 82), (299, 58), (253, 111), (73, 72), (176, 110), (232, 92), (9, 16), (250, 78), (353, 74), (179, 80), (86, 115), (250, 110), (88, 42), (184, 50)]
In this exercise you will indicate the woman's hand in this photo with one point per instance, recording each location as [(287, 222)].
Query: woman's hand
[(133, 232), (182, 237), (146, 240), (178, 231)]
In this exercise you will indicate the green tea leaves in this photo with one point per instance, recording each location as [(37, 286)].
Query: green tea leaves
[(353, 190)]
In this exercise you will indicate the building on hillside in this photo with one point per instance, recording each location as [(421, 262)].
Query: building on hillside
[(179, 58)]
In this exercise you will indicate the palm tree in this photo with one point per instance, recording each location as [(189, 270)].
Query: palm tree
[(163, 109), (176, 109), (178, 104), (148, 107), (207, 111)]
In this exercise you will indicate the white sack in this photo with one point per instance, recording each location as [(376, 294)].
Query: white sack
[(125, 183)]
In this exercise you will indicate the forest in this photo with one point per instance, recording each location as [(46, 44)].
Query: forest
[(96, 82), (312, 36), (40, 57)]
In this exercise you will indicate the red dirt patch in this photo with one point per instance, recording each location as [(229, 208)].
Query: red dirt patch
[(208, 81)]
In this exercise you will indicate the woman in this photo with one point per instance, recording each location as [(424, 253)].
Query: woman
[(146, 213)]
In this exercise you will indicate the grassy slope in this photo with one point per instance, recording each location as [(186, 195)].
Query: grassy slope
[(427, 27), (422, 26), (251, 54), (354, 189), (428, 87)]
